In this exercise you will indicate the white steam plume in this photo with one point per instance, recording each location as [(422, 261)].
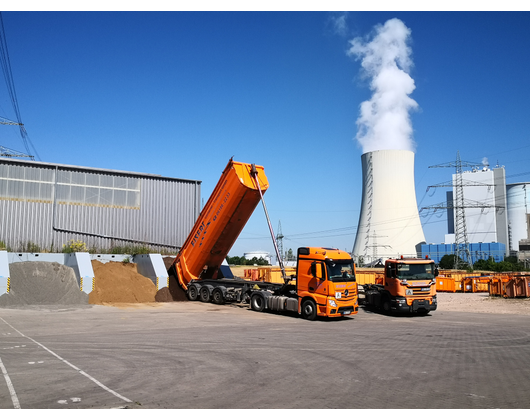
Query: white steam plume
[(384, 121)]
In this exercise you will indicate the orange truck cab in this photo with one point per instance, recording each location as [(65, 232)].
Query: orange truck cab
[(325, 286), (409, 286), (326, 283)]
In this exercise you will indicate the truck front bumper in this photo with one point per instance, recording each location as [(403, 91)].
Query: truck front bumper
[(400, 305), (343, 308)]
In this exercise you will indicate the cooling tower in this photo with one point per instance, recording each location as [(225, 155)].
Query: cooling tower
[(389, 223)]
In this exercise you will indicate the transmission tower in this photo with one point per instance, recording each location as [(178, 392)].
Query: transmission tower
[(459, 204), (375, 246), (10, 153), (279, 239)]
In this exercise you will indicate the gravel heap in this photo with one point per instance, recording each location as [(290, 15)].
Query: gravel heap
[(42, 283)]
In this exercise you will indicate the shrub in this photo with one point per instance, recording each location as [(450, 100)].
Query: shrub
[(74, 246)]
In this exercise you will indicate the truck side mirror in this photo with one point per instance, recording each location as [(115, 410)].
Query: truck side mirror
[(316, 270)]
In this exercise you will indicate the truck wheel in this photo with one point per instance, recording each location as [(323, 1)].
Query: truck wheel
[(386, 305), (193, 292), (204, 294), (257, 303), (309, 310), (218, 296)]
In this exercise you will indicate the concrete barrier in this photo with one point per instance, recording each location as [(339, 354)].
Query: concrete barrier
[(153, 267), (4, 272)]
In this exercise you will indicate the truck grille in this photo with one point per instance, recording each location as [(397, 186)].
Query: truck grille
[(419, 292), (351, 293)]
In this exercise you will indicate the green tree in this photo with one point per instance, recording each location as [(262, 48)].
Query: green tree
[(290, 255), (504, 266), (487, 265), (448, 262), (235, 260), (258, 261)]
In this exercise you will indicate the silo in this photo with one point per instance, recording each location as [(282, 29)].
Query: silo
[(389, 222), (518, 195)]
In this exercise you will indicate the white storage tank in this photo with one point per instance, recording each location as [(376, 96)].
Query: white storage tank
[(258, 254), (518, 212)]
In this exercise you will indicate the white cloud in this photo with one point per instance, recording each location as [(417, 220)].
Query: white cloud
[(339, 22)]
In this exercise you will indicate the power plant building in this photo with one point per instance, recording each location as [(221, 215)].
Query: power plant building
[(389, 222), (485, 207), (497, 217), (45, 205)]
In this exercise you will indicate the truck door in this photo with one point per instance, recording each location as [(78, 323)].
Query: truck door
[(317, 284)]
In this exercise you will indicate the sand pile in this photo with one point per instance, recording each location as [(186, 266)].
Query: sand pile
[(174, 292), (118, 282), (42, 283), (37, 283)]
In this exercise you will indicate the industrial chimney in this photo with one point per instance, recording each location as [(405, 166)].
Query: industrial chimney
[(389, 223)]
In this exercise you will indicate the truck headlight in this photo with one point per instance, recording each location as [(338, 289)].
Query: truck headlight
[(409, 292), (332, 303)]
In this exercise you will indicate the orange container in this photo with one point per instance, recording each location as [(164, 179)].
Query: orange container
[(496, 286), (475, 284), (449, 284), (517, 286), (445, 284)]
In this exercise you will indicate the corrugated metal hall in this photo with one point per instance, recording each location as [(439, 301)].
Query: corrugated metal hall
[(47, 205)]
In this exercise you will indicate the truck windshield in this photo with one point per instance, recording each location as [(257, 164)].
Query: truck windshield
[(415, 271), (340, 270)]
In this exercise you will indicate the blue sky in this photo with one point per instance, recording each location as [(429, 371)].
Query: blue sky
[(179, 93)]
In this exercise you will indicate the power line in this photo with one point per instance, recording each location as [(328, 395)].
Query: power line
[(8, 76)]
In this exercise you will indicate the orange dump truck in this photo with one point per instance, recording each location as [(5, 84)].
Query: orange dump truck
[(408, 286), (324, 284)]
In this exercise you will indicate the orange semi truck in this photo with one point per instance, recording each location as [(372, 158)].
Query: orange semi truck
[(324, 284), (408, 286)]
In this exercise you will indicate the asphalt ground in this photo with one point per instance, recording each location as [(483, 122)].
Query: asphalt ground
[(187, 355)]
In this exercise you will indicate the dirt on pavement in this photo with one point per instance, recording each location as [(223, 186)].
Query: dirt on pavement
[(482, 303)]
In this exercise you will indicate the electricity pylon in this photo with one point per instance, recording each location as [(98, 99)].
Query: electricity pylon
[(459, 204)]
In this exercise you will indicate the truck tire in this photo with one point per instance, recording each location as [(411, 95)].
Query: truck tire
[(257, 302), (309, 310), (218, 296), (193, 292), (205, 294), (385, 304)]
